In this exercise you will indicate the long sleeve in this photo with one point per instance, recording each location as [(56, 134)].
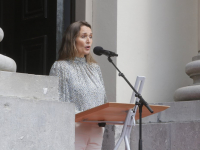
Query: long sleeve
[(63, 89)]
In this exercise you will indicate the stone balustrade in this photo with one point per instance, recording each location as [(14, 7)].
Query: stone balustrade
[(191, 92), (1, 34), (6, 63)]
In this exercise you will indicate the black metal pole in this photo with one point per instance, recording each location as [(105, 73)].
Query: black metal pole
[(140, 127)]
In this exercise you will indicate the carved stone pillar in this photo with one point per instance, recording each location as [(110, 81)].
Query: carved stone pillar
[(192, 92)]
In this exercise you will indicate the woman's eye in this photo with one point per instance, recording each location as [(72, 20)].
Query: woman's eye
[(85, 36)]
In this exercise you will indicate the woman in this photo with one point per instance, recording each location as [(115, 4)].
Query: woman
[(80, 81)]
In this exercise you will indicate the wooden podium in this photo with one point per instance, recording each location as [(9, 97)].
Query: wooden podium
[(114, 112), (117, 113)]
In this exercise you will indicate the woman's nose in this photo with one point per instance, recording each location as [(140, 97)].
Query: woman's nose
[(88, 40)]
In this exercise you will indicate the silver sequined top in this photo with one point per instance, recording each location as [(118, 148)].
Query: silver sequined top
[(79, 83)]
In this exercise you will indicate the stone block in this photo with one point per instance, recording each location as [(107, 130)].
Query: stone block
[(28, 86), (178, 112), (168, 136), (154, 136), (36, 124), (185, 136)]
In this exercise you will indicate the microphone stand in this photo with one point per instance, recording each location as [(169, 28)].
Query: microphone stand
[(140, 103)]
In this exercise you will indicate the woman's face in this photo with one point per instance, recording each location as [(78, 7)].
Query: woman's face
[(83, 41)]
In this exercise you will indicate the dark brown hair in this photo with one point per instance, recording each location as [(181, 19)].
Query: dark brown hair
[(68, 50)]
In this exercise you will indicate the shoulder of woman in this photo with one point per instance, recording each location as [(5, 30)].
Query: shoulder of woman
[(95, 65), (60, 64)]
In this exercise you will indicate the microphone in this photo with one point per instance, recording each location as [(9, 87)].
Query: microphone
[(99, 51)]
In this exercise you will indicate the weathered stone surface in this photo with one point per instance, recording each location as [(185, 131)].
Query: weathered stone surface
[(168, 136), (36, 124), (28, 86), (154, 136), (185, 136), (176, 128), (178, 111)]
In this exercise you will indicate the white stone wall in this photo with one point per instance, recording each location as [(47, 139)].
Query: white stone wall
[(105, 35), (153, 38), (198, 25), (156, 39)]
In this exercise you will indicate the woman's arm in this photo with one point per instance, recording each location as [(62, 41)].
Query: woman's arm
[(57, 70)]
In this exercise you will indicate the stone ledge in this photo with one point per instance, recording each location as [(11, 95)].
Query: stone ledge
[(28, 86), (178, 112)]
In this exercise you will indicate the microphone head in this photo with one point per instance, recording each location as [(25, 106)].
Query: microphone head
[(97, 50)]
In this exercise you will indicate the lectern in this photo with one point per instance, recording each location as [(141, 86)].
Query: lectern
[(119, 113)]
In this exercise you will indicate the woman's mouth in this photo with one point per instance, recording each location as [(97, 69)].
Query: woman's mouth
[(87, 47)]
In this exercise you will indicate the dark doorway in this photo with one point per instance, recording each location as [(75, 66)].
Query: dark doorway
[(33, 30)]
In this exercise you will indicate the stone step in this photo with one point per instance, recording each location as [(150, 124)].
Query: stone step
[(36, 124), (28, 86)]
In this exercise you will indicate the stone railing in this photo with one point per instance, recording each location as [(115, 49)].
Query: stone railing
[(6, 63)]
